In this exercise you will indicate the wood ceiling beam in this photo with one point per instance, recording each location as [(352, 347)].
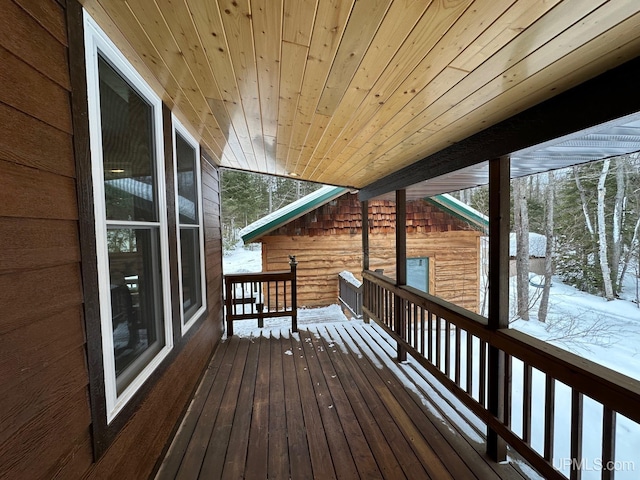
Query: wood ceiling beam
[(609, 96)]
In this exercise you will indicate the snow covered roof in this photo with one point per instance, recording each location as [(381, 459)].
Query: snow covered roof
[(324, 195), (460, 210), (290, 212), (537, 245)]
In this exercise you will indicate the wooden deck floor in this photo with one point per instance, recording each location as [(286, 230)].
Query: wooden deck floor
[(331, 404)]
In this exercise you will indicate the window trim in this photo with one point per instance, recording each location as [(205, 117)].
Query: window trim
[(96, 41), (179, 128)]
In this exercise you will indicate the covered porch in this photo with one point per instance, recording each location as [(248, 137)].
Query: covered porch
[(328, 402)]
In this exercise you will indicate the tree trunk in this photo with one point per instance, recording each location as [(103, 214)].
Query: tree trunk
[(521, 224), (602, 237), (548, 254), (618, 210), (583, 199)]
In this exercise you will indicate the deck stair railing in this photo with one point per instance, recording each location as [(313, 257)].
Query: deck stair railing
[(453, 343), (350, 293), (261, 295)]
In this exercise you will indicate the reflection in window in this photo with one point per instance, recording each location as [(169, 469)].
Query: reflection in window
[(136, 308), (132, 225), (127, 142), (189, 225)]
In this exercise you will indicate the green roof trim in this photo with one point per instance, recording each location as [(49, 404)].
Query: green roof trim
[(316, 199), (460, 210), (290, 212)]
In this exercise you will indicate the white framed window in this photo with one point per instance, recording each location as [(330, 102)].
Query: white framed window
[(126, 138), (189, 221)]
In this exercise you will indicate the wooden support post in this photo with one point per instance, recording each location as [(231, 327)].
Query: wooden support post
[(229, 306), (499, 176), (365, 254), (401, 267), (294, 293)]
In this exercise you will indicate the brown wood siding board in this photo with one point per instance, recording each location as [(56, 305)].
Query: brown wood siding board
[(21, 34), (29, 244), (29, 91), (49, 14), (31, 193), (42, 449), (44, 291), (32, 143), (28, 395)]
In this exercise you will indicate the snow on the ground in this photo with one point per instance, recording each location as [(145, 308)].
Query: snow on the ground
[(243, 259)]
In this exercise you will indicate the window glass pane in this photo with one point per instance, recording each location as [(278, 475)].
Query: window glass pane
[(187, 199), (136, 295), (418, 273), (128, 152), (191, 279)]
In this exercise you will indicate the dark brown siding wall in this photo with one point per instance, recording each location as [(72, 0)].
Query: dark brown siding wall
[(44, 409), (45, 421)]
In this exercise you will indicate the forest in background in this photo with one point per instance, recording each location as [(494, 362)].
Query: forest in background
[(247, 197), (590, 215)]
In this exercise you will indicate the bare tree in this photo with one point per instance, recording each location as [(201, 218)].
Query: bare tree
[(548, 259), (618, 219), (583, 200), (602, 237), (521, 225)]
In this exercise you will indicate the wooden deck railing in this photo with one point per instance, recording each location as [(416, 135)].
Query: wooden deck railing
[(261, 295), (452, 344), (349, 293)]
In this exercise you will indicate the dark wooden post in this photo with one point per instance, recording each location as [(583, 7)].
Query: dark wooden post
[(499, 175), (229, 305), (365, 253), (401, 266), (294, 293)]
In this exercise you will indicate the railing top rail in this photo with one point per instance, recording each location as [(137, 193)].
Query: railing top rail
[(258, 276), (603, 384)]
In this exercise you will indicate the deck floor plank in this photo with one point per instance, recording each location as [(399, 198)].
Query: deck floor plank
[(299, 456), (365, 460), (235, 459), (321, 460), (329, 403), (258, 450), (343, 462), (278, 460)]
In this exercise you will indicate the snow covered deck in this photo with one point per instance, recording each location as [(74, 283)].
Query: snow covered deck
[(328, 402)]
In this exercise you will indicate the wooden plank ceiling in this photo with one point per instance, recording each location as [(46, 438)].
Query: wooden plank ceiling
[(346, 92)]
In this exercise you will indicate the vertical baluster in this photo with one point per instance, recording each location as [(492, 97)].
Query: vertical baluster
[(508, 372), (268, 296), (415, 326), (549, 410), (277, 296), (576, 434), (608, 442), (422, 331), (284, 289), (457, 357), (469, 363), (482, 387), (430, 336), (526, 402), (447, 348), (438, 340)]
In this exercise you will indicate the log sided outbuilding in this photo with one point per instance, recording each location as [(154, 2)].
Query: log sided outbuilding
[(117, 115), (324, 231)]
